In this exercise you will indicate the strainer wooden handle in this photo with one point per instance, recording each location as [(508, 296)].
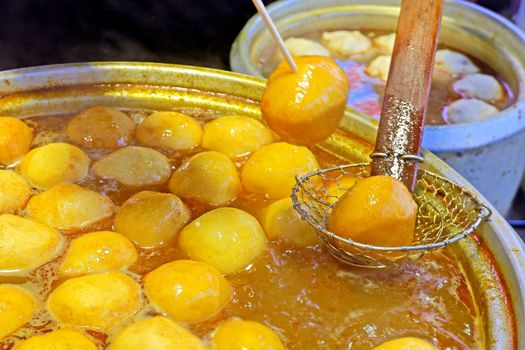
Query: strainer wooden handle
[(407, 90)]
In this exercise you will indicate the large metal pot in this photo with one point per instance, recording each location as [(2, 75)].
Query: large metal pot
[(489, 153), (494, 259)]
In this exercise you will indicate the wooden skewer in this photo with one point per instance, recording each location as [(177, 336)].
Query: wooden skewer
[(407, 90), (275, 33)]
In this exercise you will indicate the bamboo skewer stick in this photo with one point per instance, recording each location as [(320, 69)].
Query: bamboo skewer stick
[(275, 33)]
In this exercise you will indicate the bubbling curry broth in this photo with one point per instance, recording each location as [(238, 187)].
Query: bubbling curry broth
[(366, 92), (305, 295)]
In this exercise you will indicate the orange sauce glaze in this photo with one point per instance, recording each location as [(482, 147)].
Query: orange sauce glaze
[(310, 299)]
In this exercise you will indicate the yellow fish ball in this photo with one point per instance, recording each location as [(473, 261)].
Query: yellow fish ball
[(188, 291), (16, 308), (53, 164), (152, 218), (210, 177), (236, 334), (61, 339), (281, 221), (407, 343), (14, 192), (99, 301), (272, 169), (378, 210), (235, 135), (227, 238), (69, 207), (98, 252), (26, 245), (15, 139), (101, 127), (158, 333), (169, 130), (305, 107), (134, 166)]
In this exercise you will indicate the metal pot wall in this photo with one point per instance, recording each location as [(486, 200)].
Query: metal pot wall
[(493, 259), (488, 153)]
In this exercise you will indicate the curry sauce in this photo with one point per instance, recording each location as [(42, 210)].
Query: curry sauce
[(306, 296)]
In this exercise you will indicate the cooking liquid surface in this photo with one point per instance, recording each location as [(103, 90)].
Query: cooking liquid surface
[(304, 294), (366, 93)]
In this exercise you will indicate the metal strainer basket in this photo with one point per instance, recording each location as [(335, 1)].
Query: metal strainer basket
[(447, 213)]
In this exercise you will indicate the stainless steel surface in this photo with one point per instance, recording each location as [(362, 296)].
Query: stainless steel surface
[(486, 153), (494, 262), (398, 140)]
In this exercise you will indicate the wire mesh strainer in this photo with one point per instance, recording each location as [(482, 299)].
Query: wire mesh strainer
[(447, 212)]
